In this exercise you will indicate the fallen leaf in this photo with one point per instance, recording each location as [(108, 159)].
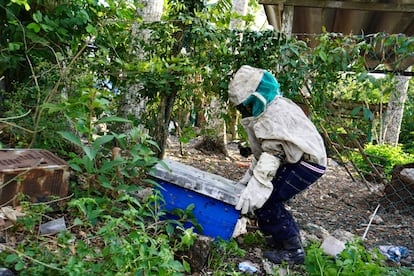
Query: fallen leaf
[(73, 249)]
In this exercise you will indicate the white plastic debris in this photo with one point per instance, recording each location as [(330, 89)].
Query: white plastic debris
[(241, 227), (247, 267), (53, 226), (332, 246), (394, 253)]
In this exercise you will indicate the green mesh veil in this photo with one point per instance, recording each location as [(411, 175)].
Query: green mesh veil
[(268, 88)]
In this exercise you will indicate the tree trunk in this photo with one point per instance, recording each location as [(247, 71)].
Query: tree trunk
[(394, 114), (132, 103), (287, 21), (240, 7), (233, 119), (152, 10), (160, 132)]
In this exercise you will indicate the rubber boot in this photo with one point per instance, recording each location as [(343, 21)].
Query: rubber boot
[(272, 243), (292, 252)]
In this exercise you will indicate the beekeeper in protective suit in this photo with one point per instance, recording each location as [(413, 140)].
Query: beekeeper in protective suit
[(289, 155)]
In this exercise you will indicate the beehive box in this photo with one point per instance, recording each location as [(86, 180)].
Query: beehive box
[(36, 173), (213, 196)]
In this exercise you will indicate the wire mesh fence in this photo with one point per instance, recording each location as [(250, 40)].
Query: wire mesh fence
[(349, 124), (399, 192)]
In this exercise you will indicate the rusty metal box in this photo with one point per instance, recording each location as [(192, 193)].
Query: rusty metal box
[(36, 173)]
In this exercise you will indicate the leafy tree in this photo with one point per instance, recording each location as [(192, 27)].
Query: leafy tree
[(176, 65), (45, 47)]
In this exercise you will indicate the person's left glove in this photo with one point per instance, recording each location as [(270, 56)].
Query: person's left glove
[(249, 173), (260, 186)]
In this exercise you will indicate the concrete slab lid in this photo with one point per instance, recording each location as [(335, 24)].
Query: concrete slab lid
[(194, 179)]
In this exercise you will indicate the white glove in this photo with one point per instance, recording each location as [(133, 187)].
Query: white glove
[(266, 168), (249, 173), (260, 185), (253, 196)]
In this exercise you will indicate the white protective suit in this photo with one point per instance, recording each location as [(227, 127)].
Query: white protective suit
[(281, 133)]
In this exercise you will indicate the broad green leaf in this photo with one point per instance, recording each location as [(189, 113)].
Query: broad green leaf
[(32, 36), (13, 46), (323, 56), (104, 182), (90, 152), (112, 119), (46, 28), (76, 167), (356, 110), (38, 17), (170, 229), (20, 266), (108, 166), (71, 137), (368, 115), (51, 108), (153, 143), (34, 26), (102, 140), (11, 258), (91, 29), (77, 221)]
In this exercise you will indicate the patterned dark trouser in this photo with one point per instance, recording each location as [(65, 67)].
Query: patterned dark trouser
[(290, 179)]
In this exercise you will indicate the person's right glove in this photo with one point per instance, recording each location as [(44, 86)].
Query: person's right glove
[(260, 186), (253, 196)]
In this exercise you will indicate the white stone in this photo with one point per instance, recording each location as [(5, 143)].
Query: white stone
[(343, 235), (332, 246), (408, 172)]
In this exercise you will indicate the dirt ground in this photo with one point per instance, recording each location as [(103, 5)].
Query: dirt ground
[(335, 202)]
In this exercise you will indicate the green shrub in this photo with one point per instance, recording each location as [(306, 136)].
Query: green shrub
[(382, 156), (105, 237), (222, 251), (407, 125), (109, 231), (355, 259)]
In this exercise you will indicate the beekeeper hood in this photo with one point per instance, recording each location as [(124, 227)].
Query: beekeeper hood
[(255, 87)]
